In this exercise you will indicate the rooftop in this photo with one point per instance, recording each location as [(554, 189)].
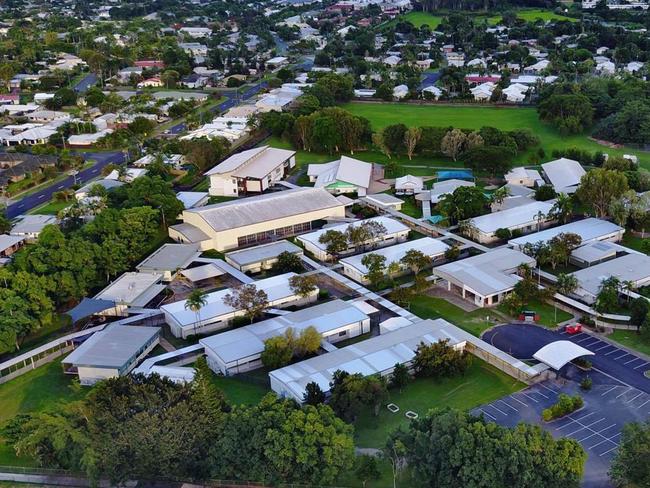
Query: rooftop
[(588, 229), (263, 208), (112, 347), (134, 289), (170, 257), (631, 267), (563, 173), (511, 218), (427, 245), (261, 253), (253, 163)]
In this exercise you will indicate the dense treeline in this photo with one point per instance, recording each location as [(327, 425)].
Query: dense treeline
[(66, 263), (620, 108), (142, 428)]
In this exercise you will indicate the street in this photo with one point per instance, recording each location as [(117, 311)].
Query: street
[(45, 195)]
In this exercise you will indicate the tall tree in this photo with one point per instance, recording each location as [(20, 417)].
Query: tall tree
[(249, 299), (195, 301), (599, 187)]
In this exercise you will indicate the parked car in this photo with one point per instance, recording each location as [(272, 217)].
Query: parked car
[(573, 329)]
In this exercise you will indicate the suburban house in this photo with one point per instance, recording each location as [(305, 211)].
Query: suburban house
[(377, 355), (256, 220), (522, 218), (240, 350), (251, 171), (396, 232), (259, 258), (354, 268), (347, 175), (524, 177), (563, 174), (131, 290), (10, 244), (30, 226), (484, 279), (408, 185), (111, 352), (216, 315), (589, 230), (633, 268)]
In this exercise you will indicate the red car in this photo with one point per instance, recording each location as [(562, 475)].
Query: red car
[(573, 329)]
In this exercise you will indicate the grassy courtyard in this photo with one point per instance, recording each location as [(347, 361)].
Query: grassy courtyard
[(477, 116), (433, 20), (631, 339), (418, 19), (481, 384), (239, 391)]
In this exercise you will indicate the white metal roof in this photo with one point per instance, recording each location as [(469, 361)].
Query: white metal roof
[(442, 188), (392, 227), (265, 208), (204, 272), (559, 353), (112, 347), (261, 253), (409, 182), (169, 257), (7, 241), (30, 224), (254, 163), (427, 245), (511, 218), (631, 267), (563, 173), (276, 288), (129, 287), (590, 229), (346, 169), (191, 198)]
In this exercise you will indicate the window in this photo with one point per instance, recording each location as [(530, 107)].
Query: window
[(342, 333)]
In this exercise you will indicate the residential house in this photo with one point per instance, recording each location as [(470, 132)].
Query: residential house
[(346, 175)]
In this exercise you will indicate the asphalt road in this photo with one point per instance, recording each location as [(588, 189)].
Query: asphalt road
[(45, 195), (89, 80), (524, 340)]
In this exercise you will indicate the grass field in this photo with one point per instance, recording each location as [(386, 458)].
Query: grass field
[(475, 117), (629, 338), (240, 392), (475, 322), (481, 384), (50, 208), (433, 20)]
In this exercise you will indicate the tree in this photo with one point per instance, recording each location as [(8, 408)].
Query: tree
[(450, 448), (629, 466), (375, 265), (196, 300), (379, 141), (439, 359), (307, 342), (335, 241), (5, 224), (400, 377), (314, 395), (366, 469), (277, 352), (562, 209), (569, 113), (599, 187), (491, 160), (463, 203), (416, 260), (544, 193), (453, 143), (394, 137), (288, 262), (350, 393), (566, 283), (607, 299), (170, 78), (395, 452), (303, 285), (248, 299), (411, 138), (639, 309)]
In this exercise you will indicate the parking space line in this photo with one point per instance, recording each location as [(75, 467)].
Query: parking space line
[(610, 450), (509, 406), (497, 409), (647, 401), (612, 352), (518, 400), (632, 360), (620, 395), (641, 365), (547, 388), (529, 397), (630, 401), (612, 388), (575, 432), (606, 345), (586, 426), (582, 340), (488, 415), (583, 417), (621, 356)]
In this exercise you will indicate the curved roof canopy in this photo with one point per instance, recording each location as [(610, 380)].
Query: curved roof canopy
[(559, 353)]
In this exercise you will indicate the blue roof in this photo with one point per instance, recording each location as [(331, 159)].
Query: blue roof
[(457, 174), (88, 307), (434, 219)]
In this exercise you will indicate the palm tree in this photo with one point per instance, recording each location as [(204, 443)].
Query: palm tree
[(562, 208), (628, 286), (500, 195), (195, 302), (539, 217)]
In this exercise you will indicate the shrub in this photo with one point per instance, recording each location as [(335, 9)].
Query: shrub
[(586, 383), (564, 406), (582, 363), (503, 233)]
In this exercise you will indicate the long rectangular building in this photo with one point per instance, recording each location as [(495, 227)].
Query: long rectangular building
[(240, 350), (216, 315), (256, 220), (589, 230)]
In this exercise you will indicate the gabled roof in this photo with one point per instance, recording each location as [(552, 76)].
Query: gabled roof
[(256, 162), (346, 170), (563, 173)]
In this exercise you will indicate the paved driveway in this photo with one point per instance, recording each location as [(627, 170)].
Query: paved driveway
[(523, 340)]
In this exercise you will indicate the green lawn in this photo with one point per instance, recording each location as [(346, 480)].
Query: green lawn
[(240, 392), (547, 313), (44, 388), (481, 384), (418, 19), (50, 208), (631, 339), (633, 242), (475, 322), (532, 15), (475, 117)]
